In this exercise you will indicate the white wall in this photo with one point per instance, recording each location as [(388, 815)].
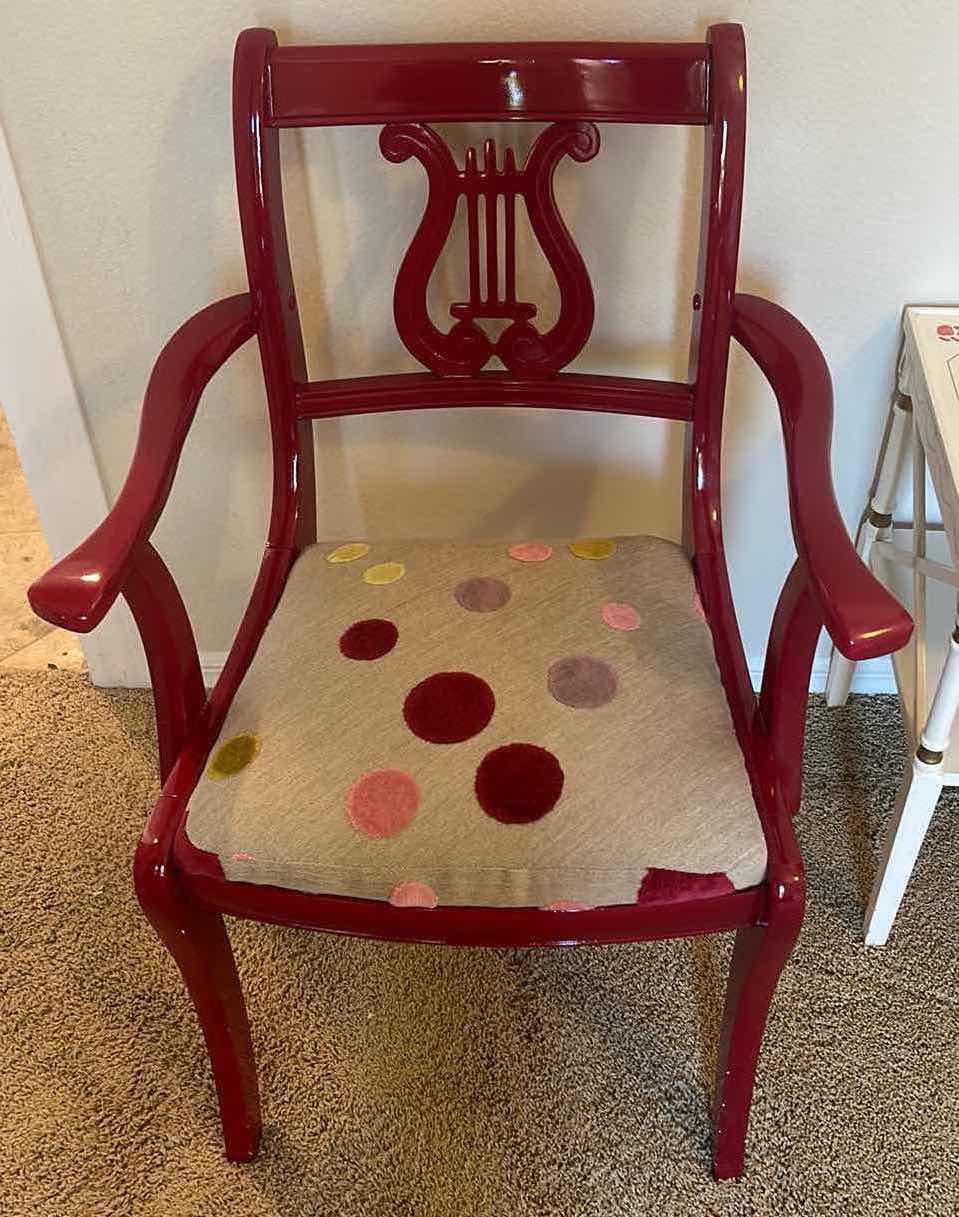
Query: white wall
[(118, 117)]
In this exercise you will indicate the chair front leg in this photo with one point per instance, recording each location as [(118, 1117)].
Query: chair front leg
[(759, 955), (196, 938)]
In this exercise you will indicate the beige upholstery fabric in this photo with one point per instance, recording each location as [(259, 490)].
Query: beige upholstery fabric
[(651, 778)]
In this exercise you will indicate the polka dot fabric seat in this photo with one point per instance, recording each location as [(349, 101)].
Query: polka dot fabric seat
[(484, 723)]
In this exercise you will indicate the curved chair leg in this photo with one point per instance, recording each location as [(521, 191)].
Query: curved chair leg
[(196, 938), (759, 955)]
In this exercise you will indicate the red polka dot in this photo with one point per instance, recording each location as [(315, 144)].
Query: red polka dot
[(449, 707), (413, 895), (518, 783), (370, 639), (381, 803), (668, 886)]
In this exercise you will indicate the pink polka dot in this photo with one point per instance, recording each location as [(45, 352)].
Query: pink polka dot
[(568, 906), (413, 895), (530, 551), (620, 616), (241, 856), (698, 606), (381, 803)]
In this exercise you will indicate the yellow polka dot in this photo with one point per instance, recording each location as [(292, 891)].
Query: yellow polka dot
[(384, 572), (348, 553), (233, 756), (594, 550)]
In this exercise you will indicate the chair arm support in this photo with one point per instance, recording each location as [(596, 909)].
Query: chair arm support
[(77, 592), (863, 619)]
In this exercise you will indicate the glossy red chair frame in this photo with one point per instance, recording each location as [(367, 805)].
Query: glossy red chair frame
[(698, 84)]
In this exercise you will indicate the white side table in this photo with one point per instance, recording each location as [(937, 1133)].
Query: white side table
[(928, 399)]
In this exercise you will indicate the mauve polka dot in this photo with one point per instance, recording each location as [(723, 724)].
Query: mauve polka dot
[(518, 783), (530, 551), (413, 895), (371, 639), (620, 616), (582, 682), (449, 707), (382, 802), (481, 594)]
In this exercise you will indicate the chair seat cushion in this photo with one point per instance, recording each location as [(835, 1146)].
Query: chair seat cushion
[(484, 723)]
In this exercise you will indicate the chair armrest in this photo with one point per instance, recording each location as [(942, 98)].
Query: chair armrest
[(863, 619), (77, 592)]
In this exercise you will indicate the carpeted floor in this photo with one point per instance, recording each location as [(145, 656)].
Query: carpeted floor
[(412, 1080)]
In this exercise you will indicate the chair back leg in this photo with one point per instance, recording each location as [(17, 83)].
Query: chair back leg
[(759, 955), (197, 939)]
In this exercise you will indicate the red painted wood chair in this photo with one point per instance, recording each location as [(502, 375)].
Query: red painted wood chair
[(482, 744)]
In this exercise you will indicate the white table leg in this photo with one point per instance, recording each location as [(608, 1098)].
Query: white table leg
[(877, 523), (915, 804)]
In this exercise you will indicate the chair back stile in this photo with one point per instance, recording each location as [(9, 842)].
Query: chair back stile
[(259, 185), (709, 357)]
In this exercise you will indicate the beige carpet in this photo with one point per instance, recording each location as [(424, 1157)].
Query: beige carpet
[(413, 1080)]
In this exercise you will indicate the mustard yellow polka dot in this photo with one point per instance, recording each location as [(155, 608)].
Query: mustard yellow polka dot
[(594, 550), (233, 756), (348, 553), (384, 572)]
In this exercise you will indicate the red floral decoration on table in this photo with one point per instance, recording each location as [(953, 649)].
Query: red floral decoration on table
[(668, 886), (449, 707), (370, 639), (518, 783)]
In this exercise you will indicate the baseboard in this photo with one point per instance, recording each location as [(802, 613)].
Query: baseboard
[(873, 676), (211, 665)]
